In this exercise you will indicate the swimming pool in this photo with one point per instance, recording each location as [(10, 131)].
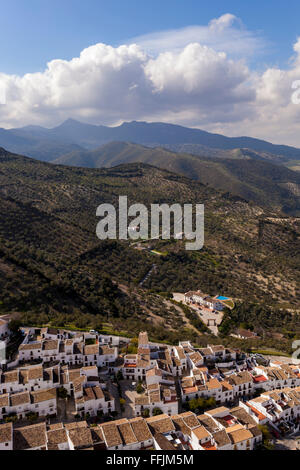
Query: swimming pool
[(222, 298)]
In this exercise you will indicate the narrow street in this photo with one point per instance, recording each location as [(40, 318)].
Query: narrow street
[(129, 394), (113, 390)]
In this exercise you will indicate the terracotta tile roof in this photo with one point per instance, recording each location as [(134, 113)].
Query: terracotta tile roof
[(205, 351), (73, 374), (190, 293), (53, 427), (240, 378), (91, 349), (190, 419), (213, 384), (6, 432), (196, 357), (106, 350), (111, 435), (127, 433), (208, 445), (17, 399), (208, 423), (163, 442), (97, 435), (81, 437), (143, 361), (53, 331), (50, 344), (180, 352), (43, 395), (153, 387), (131, 357), (140, 429), (246, 333), (226, 386), (215, 411), (89, 368), (221, 438), (217, 348), (180, 425), (200, 369), (35, 373), (255, 431), (154, 396), (88, 394), (12, 376), (98, 392), (78, 384), (201, 432), (29, 346), (30, 437), (77, 424), (4, 400), (56, 436), (161, 423), (258, 414), (188, 390), (142, 400), (154, 371), (239, 435), (242, 415)]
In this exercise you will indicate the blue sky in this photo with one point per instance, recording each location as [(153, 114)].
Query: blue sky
[(37, 31), (223, 66)]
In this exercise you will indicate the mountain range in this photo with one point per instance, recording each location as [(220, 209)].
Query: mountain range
[(47, 144), (255, 179), (250, 168)]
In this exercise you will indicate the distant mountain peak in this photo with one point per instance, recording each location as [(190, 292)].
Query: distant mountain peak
[(89, 137), (69, 122)]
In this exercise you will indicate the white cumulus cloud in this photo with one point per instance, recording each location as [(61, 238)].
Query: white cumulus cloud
[(198, 76), (110, 84)]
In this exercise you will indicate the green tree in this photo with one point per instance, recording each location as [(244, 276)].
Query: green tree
[(14, 326), (139, 388), (119, 375), (266, 437), (146, 413), (62, 392)]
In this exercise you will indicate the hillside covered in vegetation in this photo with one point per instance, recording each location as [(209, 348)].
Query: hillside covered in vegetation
[(54, 270)]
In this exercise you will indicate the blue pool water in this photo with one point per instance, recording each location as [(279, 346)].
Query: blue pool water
[(222, 298)]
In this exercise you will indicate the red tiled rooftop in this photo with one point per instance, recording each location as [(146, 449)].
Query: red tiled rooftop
[(259, 379), (228, 418), (208, 446), (190, 390), (260, 416)]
